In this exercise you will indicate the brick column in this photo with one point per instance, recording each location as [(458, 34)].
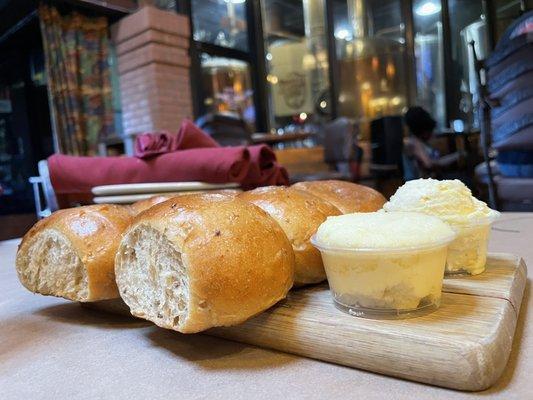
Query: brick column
[(153, 64)]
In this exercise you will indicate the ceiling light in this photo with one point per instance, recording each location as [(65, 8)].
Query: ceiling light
[(273, 79), (342, 34), (428, 8)]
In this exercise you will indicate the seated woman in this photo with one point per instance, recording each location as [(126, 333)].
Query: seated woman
[(420, 160)]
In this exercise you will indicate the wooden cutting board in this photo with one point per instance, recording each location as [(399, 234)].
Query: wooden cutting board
[(464, 345)]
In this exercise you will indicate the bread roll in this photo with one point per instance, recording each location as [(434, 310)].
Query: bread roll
[(299, 214), (227, 192), (204, 260), (71, 253), (141, 205), (346, 196)]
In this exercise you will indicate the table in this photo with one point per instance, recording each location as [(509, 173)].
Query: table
[(273, 138), (452, 136), (51, 348)]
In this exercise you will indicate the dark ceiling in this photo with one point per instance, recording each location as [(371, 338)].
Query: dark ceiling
[(3, 4), (12, 12)]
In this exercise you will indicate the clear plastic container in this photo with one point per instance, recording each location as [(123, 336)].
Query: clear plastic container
[(385, 283), (467, 254)]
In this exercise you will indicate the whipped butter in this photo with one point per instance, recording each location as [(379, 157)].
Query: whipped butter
[(384, 264), (453, 203)]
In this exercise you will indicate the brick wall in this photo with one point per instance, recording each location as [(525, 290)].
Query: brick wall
[(153, 63)]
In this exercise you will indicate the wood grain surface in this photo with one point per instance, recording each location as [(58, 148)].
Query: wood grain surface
[(464, 345), (504, 278)]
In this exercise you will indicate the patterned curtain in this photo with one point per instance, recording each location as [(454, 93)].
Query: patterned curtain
[(76, 50)]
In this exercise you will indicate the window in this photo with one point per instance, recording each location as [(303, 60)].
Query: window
[(115, 90), (370, 47), (222, 59), (429, 55), (220, 22), (227, 87), (467, 23), (296, 57), (379, 69), (25, 131)]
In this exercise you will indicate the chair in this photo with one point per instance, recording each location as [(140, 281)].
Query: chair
[(226, 129), (342, 155), (506, 114), (386, 168), (387, 145), (117, 145), (42, 184), (341, 151)]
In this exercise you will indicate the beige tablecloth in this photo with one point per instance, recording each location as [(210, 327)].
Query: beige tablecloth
[(53, 349)]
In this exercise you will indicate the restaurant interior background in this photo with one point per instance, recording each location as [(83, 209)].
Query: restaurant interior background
[(293, 70)]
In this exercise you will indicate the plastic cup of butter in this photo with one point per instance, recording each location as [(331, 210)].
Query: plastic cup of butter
[(385, 283), (467, 254)]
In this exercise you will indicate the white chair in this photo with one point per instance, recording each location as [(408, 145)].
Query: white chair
[(42, 189)]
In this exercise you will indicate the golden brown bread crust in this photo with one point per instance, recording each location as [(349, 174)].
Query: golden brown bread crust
[(346, 196), (226, 192), (142, 205), (299, 214), (237, 259), (94, 232)]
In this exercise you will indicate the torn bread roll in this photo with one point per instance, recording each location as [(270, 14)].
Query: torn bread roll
[(199, 261), (71, 253), (346, 196), (299, 214)]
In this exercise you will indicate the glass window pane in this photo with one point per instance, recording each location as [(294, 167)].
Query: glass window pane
[(17, 157), (220, 22), (430, 89), (370, 46), (297, 62), (467, 23), (115, 90), (227, 87)]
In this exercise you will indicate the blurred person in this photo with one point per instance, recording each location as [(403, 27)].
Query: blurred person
[(420, 160)]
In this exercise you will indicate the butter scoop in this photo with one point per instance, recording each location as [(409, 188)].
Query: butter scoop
[(450, 200), (378, 230), (384, 265), (453, 203)]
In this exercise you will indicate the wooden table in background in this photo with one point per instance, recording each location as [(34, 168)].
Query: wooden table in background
[(311, 159), (452, 138), (305, 160), (272, 138)]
